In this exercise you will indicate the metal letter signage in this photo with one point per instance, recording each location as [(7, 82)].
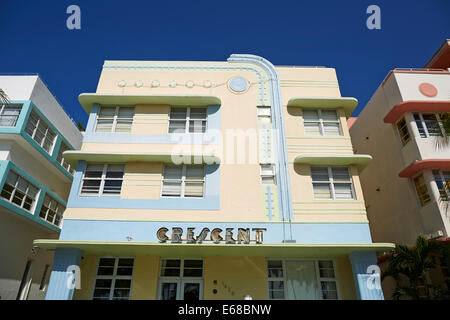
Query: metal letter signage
[(243, 235)]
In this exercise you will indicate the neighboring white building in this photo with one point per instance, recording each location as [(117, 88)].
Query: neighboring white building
[(34, 182)]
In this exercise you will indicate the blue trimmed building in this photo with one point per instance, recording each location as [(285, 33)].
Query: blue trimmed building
[(215, 180), (34, 181)]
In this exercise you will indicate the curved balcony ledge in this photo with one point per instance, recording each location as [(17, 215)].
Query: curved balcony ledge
[(271, 250), (87, 100), (418, 166), (415, 106), (361, 161), (349, 104), (72, 157)]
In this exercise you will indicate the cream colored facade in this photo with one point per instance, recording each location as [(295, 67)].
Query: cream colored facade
[(254, 120)]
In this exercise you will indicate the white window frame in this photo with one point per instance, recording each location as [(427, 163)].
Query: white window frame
[(102, 182), (181, 279), (114, 276), (183, 183), (331, 182), (57, 213), (60, 158), (399, 134), (318, 278), (187, 120), (444, 182), (2, 109), (33, 206), (321, 122), (424, 126), (427, 185), (115, 117), (33, 136)]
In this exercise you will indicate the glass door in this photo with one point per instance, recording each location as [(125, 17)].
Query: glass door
[(168, 290), (191, 289)]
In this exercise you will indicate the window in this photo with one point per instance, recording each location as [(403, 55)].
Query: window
[(321, 123), (52, 211), (442, 179), (40, 132), (302, 280), (19, 191), (115, 119), (429, 124), (187, 120), (181, 279), (185, 181), (403, 131), (113, 281), (63, 148), (332, 183), (327, 279), (102, 179), (9, 113), (276, 279), (267, 174), (422, 190)]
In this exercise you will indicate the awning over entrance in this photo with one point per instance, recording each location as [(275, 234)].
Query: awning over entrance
[(269, 250)]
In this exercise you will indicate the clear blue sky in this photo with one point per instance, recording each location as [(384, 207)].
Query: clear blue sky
[(34, 37)]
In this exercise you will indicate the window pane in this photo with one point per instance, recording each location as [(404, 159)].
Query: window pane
[(170, 268), (173, 172), (432, 124), (104, 125), (9, 115), (343, 191), (322, 191), (94, 171), (403, 131), (91, 186), (419, 125), (310, 115), (329, 115), (171, 189), (340, 174), (319, 174), (112, 187), (169, 291), (194, 172), (193, 189), (115, 171), (178, 113), (197, 126), (198, 114), (312, 128), (422, 190), (331, 129)]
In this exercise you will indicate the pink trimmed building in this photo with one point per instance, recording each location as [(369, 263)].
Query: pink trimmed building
[(404, 185)]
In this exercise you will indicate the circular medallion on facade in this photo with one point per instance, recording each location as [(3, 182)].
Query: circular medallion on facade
[(122, 83), (173, 84), (238, 84), (139, 84), (155, 83), (207, 84), (428, 90), (190, 84)]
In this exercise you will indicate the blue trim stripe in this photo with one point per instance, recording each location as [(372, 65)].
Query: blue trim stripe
[(107, 230)]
